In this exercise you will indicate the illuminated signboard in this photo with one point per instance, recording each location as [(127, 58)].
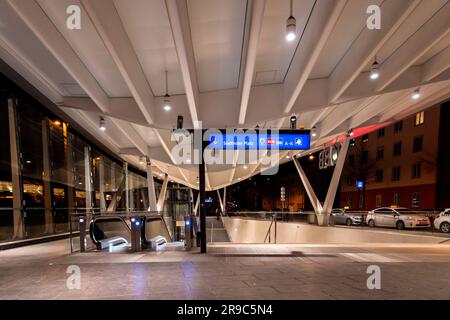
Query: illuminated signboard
[(359, 184), (209, 200), (282, 140)]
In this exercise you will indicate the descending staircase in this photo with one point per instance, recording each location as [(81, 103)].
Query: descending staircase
[(215, 230)]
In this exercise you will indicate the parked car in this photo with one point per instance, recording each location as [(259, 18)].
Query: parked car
[(442, 222), (399, 218), (340, 216)]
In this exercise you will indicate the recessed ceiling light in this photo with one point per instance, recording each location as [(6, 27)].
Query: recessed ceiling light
[(102, 124), (416, 94), (245, 167), (167, 105), (374, 72)]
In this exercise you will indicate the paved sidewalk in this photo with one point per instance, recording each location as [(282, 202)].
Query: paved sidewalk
[(229, 271)]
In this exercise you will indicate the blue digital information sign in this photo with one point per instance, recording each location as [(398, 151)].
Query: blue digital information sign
[(359, 184), (282, 140)]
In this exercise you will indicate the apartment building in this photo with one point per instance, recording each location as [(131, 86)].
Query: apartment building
[(402, 164)]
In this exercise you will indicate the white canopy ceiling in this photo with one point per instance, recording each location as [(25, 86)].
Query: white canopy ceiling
[(228, 66)]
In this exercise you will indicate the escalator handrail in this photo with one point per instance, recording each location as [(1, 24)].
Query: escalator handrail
[(95, 219)]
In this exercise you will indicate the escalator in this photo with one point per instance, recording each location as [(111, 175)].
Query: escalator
[(155, 232), (111, 231)]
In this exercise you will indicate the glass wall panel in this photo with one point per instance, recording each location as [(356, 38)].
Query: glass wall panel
[(58, 153), (79, 174), (30, 122), (53, 162), (6, 194)]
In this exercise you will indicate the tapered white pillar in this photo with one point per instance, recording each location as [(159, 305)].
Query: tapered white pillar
[(309, 190), (88, 177), (101, 180), (197, 202), (151, 187), (131, 192), (332, 189), (224, 200), (162, 194), (46, 178), (127, 186), (220, 201), (17, 190), (69, 169)]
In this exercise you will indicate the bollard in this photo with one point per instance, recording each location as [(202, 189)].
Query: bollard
[(188, 233), (82, 228), (136, 230)]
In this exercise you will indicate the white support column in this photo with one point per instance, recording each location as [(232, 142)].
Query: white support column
[(220, 200), (197, 202), (131, 192), (224, 200), (15, 172), (127, 186), (69, 169), (46, 177), (114, 200), (162, 194), (144, 198), (151, 187), (101, 173), (88, 177), (309, 190), (332, 189)]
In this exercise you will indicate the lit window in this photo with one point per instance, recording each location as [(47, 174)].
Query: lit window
[(420, 118), (365, 138), (415, 199)]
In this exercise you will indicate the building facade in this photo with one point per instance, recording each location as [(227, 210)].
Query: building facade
[(49, 170), (398, 165)]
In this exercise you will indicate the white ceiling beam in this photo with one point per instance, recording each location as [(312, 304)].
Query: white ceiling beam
[(38, 22), (258, 7), (130, 151), (342, 113), (367, 45), (415, 47), (131, 134), (319, 28), (312, 100), (106, 20), (39, 78), (435, 66), (435, 93), (181, 33)]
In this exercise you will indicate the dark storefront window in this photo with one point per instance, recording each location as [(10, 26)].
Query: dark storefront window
[(53, 170), (30, 123), (6, 194)]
